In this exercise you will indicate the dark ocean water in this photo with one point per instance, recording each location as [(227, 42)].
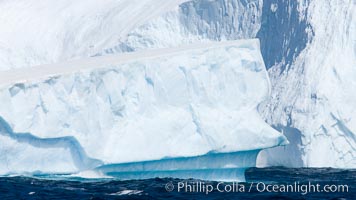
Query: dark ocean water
[(302, 181)]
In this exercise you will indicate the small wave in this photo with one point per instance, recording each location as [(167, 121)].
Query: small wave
[(90, 174), (127, 192)]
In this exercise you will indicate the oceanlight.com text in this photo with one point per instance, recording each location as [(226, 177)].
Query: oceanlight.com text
[(235, 187)]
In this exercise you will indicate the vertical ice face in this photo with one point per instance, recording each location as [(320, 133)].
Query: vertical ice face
[(178, 102), (284, 33), (316, 95)]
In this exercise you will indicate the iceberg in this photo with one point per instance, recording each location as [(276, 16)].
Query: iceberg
[(166, 112), (309, 50)]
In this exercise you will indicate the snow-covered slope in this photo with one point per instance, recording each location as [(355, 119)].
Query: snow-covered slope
[(42, 32), (195, 21), (180, 102), (37, 32)]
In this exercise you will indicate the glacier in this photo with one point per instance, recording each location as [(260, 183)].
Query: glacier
[(197, 103)]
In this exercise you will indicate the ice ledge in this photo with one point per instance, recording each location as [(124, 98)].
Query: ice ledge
[(77, 153), (212, 166), (52, 70)]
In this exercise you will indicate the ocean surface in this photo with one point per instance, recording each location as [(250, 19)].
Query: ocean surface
[(261, 183)]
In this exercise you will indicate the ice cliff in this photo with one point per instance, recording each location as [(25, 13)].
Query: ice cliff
[(309, 51), (152, 105)]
